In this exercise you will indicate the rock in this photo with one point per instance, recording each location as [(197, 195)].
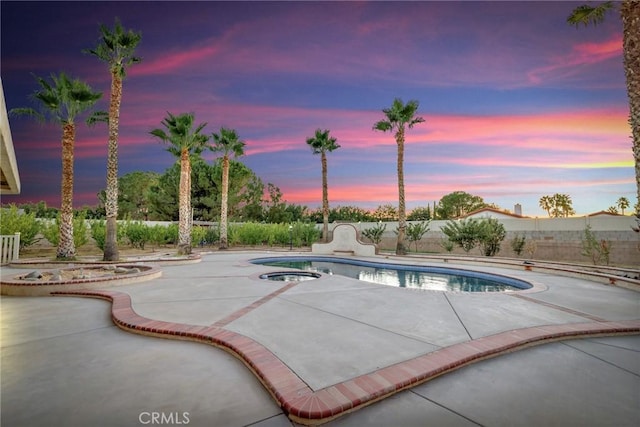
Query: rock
[(121, 270), (134, 270), (35, 274), (56, 277), (109, 267)]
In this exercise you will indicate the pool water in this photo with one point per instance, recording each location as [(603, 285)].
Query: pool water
[(404, 276)]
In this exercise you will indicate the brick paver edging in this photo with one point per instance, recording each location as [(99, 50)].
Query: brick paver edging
[(306, 406)]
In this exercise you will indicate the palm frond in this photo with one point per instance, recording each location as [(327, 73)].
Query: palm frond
[(589, 15), (28, 112), (98, 117)]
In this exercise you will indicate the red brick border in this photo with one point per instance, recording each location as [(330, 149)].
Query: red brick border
[(308, 407)]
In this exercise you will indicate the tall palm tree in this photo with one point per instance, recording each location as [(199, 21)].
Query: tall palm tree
[(228, 143), (115, 47), (622, 203), (398, 117), (320, 143), (630, 14), (61, 102), (184, 141), (546, 203)]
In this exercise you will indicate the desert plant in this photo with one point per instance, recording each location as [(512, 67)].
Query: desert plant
[(98, 232), (138, 234), (530, 248), (492, 233), (517, 244), (447, 245), (463, 233), (415, 232), (51, 231), (199, 235), (13, 221), (375, 233), (597, 250)]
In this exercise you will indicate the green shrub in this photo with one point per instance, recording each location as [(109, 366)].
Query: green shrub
[(138, 234), (517, 244), (375, 233), (159, 235), (198, 235), (463, 233), (171, 234), (597, 250), (51, 230), (13, 221), (492, 233), (99, 233), (488, 233), (415, 232), (305, 234)]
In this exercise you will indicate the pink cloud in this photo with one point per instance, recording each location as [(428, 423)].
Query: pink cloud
[(583, 54)]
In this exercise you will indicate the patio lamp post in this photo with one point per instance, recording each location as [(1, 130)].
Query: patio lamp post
[(291, 237)]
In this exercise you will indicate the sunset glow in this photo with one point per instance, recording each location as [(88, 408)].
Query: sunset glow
[(514, 109)]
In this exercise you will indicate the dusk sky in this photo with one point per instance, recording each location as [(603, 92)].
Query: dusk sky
[(517, 104)]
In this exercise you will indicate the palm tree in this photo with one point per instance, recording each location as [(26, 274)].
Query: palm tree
[(320, 143), (61, 102), (228, 143), (397, 118), (630, 14), (116, 47), (622, 204), (546, 203), (184, 141)]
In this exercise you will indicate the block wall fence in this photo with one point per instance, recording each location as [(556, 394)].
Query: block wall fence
[(556, 239)]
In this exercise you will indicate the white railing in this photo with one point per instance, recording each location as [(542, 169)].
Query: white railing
[(9, 248)]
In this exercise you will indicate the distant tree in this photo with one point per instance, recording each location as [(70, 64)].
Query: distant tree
[(244, 196), (546, 203), (630, 14), (557, 205), (397, 118), (278, 211), (612, 210), (133, 194), (420, 214), (184, 141), (622, 203), (321, 143), (458, 204), (562, 206), (61, 101), (117, 48), (229, 144), (385, 213)]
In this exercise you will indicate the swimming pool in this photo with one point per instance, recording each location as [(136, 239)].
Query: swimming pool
[(401, 275)]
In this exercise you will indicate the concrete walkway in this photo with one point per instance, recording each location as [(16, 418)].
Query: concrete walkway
[(333, 339)]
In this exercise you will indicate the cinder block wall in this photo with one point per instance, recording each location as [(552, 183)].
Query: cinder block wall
[(556, 239)]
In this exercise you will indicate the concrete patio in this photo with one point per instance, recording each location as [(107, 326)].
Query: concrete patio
[(65, 362)]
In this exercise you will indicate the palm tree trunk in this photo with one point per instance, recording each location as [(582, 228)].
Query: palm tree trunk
[(402, 224), (630, 13), (111, 203), (66, 248), (325, 199), (224, 243), (184, 222)]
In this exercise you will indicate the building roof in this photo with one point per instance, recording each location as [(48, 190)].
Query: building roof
[(491, 212)]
